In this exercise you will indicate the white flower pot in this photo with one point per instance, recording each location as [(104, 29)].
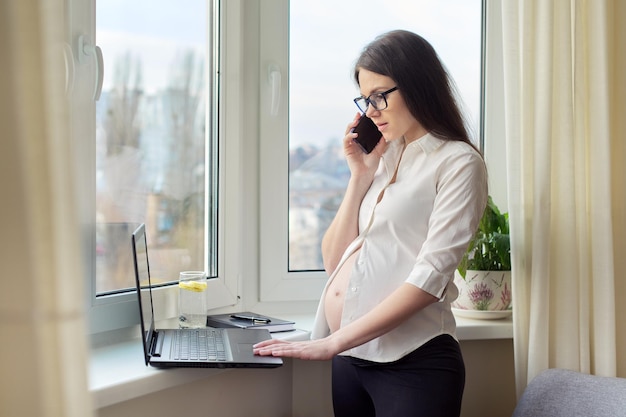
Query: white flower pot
[(483, 290)]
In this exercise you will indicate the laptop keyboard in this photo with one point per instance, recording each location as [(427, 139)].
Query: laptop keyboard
[(198, 344)]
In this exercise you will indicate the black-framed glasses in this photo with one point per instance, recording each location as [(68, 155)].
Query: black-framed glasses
[(377, 100)]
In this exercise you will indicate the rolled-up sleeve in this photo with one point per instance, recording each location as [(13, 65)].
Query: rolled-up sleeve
[(461, 196)]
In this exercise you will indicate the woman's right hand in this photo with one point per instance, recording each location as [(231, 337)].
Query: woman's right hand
[(344, 228), (360, 163)]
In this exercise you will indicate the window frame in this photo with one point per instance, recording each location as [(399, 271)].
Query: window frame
[(277, 284), (493, 118), (253, 187), (117, 311)]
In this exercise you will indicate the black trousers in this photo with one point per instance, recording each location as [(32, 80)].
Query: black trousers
[(427, 382)]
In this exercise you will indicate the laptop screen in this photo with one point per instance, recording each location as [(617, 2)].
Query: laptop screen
[(144, 292)]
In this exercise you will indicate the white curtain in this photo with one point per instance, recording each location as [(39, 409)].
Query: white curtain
[(43, 353), (564, 88)]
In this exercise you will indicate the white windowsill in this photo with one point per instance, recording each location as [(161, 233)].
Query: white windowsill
[(118, 372)]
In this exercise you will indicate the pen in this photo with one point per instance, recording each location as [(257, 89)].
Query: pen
[(251, 318)]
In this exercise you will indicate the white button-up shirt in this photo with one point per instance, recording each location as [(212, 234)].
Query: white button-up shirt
[(417, 234)]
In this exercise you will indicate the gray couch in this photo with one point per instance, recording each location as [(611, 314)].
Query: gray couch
[(563, 393)]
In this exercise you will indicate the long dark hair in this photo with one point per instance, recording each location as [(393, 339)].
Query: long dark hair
[(426, 86)]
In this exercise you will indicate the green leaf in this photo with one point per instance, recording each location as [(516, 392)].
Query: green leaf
[(490, 248)]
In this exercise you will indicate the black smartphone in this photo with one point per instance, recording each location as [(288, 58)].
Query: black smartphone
[(368, 134)]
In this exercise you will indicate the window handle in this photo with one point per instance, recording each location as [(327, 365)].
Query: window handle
[(85, 51), (68, 57), (275, 84)]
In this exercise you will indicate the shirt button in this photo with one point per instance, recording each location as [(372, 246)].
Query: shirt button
[(354, 289)]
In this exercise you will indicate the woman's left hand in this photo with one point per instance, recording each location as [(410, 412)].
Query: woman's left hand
[(320, 350)]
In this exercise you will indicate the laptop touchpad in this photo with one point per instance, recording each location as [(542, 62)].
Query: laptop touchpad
[(245, 347)]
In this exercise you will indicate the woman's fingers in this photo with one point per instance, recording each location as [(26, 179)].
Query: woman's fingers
[(353, 123), (309, 350)]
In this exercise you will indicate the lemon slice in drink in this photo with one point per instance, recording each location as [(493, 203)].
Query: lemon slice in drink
[(192, 286)]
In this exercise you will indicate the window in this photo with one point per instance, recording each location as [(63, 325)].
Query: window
[(152, 145), (148, 148), (323, 45), (269, 188)]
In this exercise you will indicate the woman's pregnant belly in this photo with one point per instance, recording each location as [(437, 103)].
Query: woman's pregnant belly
[(336, 293)]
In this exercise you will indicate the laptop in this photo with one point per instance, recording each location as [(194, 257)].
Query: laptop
[(210, 347)]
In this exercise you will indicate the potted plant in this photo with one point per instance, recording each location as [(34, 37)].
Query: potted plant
[(483, 276)]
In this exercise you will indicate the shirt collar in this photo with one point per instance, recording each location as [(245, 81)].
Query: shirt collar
[(427, 143)]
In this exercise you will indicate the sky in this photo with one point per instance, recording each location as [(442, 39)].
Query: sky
[(153, 30), (325, 40)]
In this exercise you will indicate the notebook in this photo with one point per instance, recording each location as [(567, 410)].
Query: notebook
[(189, 348), (249, 320)]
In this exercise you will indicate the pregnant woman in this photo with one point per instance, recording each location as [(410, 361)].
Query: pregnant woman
[(409, 211)]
